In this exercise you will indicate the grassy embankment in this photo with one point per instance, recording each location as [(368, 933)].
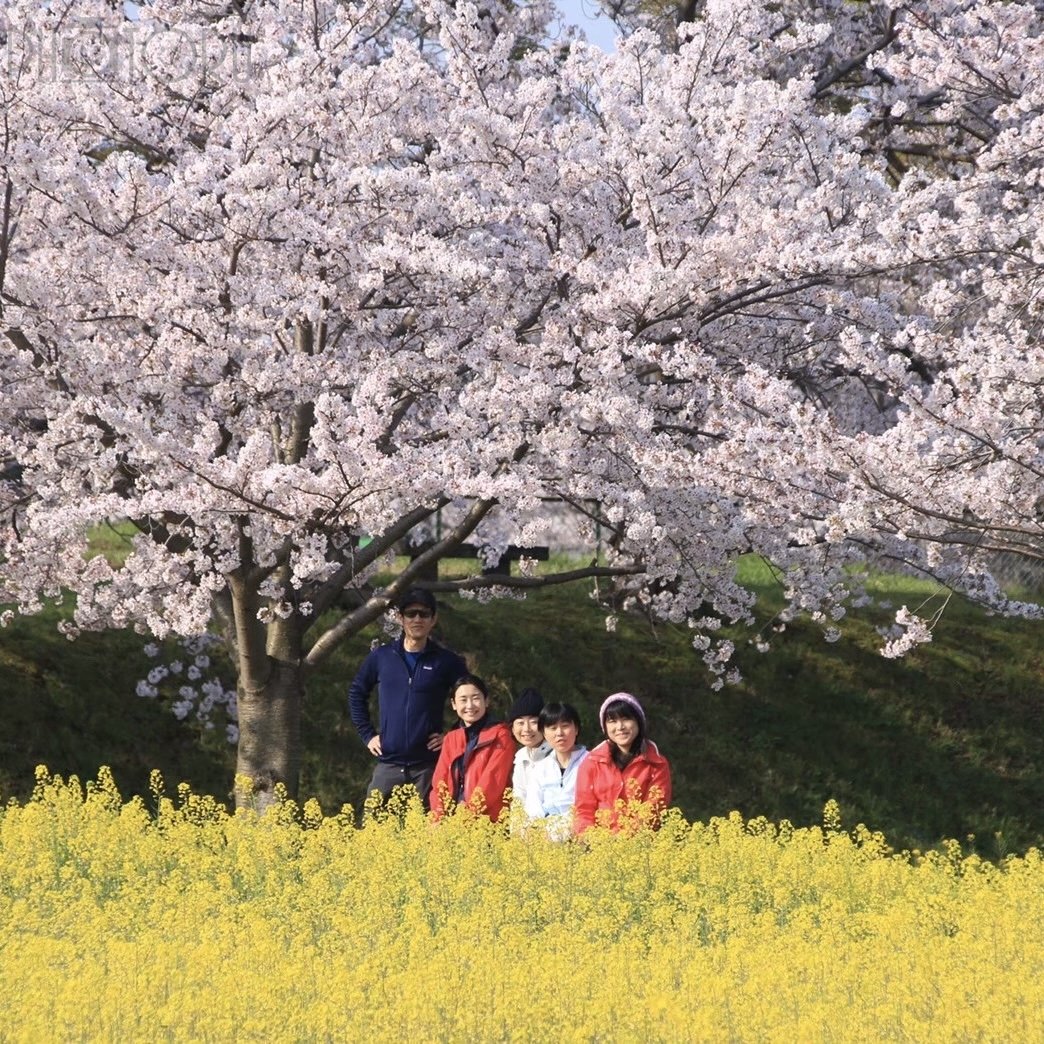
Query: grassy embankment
[(945, 743)]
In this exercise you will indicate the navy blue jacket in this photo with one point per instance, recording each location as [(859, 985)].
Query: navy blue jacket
[(411, 706)]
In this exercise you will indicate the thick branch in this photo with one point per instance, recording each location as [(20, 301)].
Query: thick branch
[(378, 604), (254, 665), (5, 239), (978, 540), (323, 596), (475, 583), (959, 521), (827, 80)]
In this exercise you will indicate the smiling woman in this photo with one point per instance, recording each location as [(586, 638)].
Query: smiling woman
[(625, 782), (475, 761)]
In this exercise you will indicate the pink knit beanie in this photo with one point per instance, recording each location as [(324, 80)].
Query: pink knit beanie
[(623, 697)]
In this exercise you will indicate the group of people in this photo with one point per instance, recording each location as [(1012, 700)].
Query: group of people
[(554, 780)]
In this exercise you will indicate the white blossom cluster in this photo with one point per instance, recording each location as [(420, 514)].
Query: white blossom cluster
[(908, 631), (195, 693)]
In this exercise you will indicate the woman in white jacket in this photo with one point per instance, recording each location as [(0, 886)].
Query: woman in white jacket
[(524, 721), (551, 791)]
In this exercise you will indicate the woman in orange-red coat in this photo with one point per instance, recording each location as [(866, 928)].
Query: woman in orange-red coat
[(622, 772), (476, 759)]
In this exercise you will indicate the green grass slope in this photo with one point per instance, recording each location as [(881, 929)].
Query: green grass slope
[(71, 705), (947, 742)]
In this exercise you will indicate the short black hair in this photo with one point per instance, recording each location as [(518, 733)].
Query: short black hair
[(470, 679), (554, 713), (417, 596)]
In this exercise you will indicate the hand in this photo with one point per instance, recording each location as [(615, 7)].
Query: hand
[(435, 741), (375, 746)]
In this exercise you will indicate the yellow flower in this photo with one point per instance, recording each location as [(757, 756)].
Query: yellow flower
[(194, 923)]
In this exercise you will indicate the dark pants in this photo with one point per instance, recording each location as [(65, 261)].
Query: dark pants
[(386, 777)]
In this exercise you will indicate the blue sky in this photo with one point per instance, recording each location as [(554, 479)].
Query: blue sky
[(586, 14)]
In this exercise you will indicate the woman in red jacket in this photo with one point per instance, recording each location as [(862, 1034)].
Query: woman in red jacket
[(623, 773), (475, 761)]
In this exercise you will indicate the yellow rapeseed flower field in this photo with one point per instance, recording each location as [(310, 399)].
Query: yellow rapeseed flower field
[(188, 923)]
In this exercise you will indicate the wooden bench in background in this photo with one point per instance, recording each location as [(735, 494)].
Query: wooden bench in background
[(501, 568)]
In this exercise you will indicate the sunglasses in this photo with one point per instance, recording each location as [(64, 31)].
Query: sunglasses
[(417, 614)]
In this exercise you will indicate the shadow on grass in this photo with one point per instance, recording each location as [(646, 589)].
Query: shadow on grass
[(71, 705), (945, 743)]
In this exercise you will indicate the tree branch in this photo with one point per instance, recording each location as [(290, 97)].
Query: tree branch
[(324, 594), (376, 605), (475, 583), (828, 79)]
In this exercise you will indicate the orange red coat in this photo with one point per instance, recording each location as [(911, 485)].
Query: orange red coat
[(487, 768), (600, 785)]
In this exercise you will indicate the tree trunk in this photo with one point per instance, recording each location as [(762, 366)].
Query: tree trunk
[(269, 737)]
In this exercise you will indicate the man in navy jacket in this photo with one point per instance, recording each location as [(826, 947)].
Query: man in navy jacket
[(413, 676)]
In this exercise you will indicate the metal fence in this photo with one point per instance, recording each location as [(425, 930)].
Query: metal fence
[(1020, 575)]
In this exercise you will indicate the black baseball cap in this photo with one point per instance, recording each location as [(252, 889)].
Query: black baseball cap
[(417, 596)]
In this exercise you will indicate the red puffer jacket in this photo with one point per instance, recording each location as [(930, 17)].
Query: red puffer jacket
[(487, 768), (600, 785)]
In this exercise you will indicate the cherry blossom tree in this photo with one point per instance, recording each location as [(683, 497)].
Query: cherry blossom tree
[(281, 283), (952, 109)]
